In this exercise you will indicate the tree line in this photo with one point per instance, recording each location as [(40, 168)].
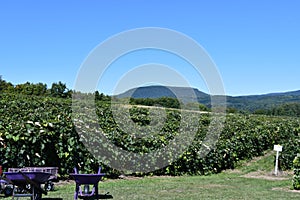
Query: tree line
[(59, 90), (39, 89), (288, 109)]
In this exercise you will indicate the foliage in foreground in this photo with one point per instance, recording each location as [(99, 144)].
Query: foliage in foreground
[(39, 131), (296, 177)]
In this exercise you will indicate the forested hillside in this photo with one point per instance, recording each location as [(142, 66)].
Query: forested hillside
[(260, 104)]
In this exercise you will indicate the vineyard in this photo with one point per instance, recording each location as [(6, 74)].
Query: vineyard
[(41, 131)]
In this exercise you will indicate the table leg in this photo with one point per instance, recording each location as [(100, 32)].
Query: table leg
[(36, 194), (96, 191), (13, 195), (76, 191), (33, 192)]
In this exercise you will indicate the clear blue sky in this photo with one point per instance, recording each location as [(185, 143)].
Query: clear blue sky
[(255, 43)]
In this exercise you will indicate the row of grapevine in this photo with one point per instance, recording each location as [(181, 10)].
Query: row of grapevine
[(296, 177), (40, 131)]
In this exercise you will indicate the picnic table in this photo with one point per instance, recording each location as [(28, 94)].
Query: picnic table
[(23, 179), (86, 180), (48, 185)]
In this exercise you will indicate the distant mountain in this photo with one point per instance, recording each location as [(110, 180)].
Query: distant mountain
[(292, 93), (248, 103), (265, 101), (185, 94)]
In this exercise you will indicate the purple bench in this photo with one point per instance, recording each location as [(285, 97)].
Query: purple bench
[(86, 180), (49, 185), (34, 179)]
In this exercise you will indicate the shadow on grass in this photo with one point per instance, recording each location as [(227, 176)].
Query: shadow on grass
[(52, 198), (100, 196)]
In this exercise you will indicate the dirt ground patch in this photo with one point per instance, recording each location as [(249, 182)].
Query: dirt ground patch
[(268, 176), (286, 189), (64, 182)]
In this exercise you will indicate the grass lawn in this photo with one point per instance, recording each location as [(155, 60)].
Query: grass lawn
[(252, 180), (221, 186)]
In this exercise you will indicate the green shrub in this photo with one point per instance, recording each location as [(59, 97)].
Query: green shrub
[(296, 177)]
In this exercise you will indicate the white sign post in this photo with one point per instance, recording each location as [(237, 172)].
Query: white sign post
[(277, 148)]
